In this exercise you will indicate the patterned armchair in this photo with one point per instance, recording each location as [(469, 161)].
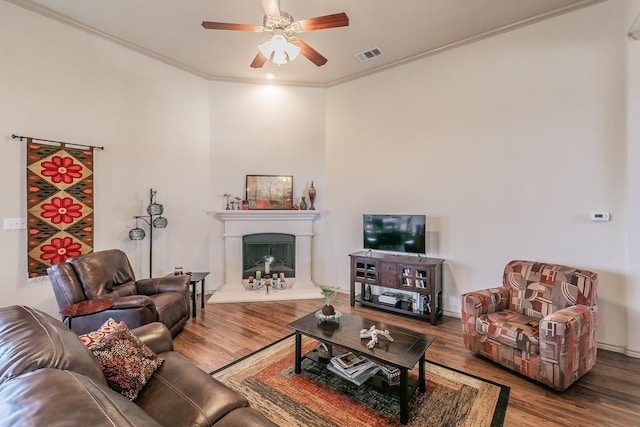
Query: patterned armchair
[(542, 322)]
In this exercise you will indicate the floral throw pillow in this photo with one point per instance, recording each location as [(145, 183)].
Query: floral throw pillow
[(94, 338), (127, 363)]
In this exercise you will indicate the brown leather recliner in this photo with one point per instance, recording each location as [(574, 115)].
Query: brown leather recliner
[(108, 274)]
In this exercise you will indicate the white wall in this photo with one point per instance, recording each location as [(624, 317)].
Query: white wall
[(64, 84), (506, 144), (266, 130), (633, 189)]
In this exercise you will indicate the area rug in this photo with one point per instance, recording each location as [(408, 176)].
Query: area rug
[(318, 398)]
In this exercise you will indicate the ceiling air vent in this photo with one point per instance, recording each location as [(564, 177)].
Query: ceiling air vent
[(368, 54)]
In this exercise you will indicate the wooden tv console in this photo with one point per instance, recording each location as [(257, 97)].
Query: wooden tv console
[(419, 278)]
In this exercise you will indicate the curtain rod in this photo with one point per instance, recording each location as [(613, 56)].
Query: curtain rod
[(57, 142)]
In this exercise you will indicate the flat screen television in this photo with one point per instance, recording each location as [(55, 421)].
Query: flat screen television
[(395, 233)]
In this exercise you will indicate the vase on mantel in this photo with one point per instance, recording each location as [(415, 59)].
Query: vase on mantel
[(312, 196), (303, 204)]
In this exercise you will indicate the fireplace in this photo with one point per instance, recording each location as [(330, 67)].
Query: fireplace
[(278, 250), (291, 234)]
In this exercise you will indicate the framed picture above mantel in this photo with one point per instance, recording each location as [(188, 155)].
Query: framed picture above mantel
[(269, 191)]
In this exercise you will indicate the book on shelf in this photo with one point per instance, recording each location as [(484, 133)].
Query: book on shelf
[(356, 370), (425, 304), (360, 377), (348, 360), (351, 364)]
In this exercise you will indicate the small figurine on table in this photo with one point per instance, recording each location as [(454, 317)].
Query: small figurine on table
[(373, 333)]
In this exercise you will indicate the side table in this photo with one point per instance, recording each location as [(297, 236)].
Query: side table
[(193, 281), (84, 308)]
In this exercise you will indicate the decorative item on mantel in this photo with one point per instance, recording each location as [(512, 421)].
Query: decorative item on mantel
[(303, 204), (312, 196), (226, 196)]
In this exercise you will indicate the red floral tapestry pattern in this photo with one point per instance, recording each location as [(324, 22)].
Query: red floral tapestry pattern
[(59, 204)]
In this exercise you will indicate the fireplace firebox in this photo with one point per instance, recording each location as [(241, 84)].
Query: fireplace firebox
[(277, 249)]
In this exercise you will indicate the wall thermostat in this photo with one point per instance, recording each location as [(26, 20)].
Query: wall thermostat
[(600, 216)]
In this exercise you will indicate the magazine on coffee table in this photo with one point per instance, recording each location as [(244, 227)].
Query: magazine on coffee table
[(348, 360), (358, 379)]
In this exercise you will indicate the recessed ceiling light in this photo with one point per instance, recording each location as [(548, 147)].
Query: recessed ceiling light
[(271, 76)]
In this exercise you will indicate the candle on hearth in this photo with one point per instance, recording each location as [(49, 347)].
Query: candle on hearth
[(281, 276), (258, 275), (267, 267), (250, 279)]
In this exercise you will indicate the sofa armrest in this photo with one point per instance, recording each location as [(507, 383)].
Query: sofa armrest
[(482, 302), (568, 344), (157, 285), (155, 335), (565, 327), (132, 301)]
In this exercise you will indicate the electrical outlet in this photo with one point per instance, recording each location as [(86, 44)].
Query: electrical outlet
[(15, 223)]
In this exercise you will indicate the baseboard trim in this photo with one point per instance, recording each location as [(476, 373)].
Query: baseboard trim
[(452, 314), (632, 353)]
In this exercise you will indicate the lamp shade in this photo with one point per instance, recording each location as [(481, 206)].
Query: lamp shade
[(136, 233), (155, 209), (160, 222), (278, 49)]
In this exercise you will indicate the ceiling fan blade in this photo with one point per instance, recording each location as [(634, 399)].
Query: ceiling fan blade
[(271, 7), (322, 22), (311, 54), (258, 61), (227, 26)]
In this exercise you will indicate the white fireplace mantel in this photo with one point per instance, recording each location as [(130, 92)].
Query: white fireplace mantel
[(239, 223), (266, 215)]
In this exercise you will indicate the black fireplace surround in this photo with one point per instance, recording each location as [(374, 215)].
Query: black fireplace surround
[(258, 248)]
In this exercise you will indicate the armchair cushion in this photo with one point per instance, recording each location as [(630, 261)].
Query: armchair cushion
[(538, 289), (511, 328)]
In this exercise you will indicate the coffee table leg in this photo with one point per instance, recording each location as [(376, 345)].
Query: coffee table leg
[(421, 378), (404, 396), (202, 293), (298, 366), (193, 299)]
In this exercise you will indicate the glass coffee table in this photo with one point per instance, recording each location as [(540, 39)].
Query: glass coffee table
[(407, 348)]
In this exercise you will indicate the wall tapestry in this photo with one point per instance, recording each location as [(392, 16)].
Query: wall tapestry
[(59, 204)]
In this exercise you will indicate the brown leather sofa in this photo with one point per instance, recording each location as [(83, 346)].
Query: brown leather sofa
[(108, 274), (48, 377)]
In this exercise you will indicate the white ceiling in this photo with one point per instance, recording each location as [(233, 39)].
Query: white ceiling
[(171, 30)]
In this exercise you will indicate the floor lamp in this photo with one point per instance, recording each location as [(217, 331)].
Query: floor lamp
[(155, 220)]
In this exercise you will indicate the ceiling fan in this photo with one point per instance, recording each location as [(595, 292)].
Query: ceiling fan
[(285, 45)]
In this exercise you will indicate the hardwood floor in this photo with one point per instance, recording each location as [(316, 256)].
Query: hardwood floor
[(609, 395)]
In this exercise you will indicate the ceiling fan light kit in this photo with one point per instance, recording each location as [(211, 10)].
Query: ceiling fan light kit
[(279, 50), (284, 46)]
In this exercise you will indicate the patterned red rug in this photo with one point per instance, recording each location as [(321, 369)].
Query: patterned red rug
[(318, 398)]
